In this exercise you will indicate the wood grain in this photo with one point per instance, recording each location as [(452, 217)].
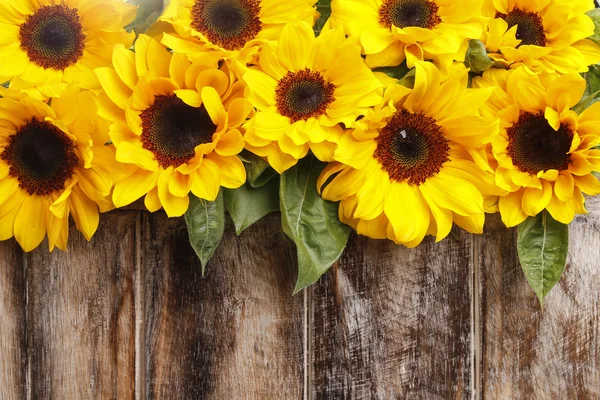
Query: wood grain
[(530, 353), (235, 334), (13, 349), (391, 323), (80, 314)]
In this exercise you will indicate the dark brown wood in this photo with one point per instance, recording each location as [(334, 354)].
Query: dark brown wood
[(80, 314), (13, 350), (235, 334), (530, 353), (390, 322)]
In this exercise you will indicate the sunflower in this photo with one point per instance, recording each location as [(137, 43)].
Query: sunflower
[(407, 170), (233, 28), (303, 88), (53, 163), (392, 31), (48, 42), (545, 151), (175, 123), (545, 35)]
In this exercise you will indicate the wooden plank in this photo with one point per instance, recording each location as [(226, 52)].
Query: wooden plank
[(390, 322), (530, 353), (80, 314), (12, 328), (235, 334)]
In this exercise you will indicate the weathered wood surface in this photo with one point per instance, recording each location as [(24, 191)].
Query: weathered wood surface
[(527, 352), (129, 316)]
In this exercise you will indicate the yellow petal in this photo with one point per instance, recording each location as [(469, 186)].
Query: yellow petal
[(206, 181), (231, 143), (535, 200), (30, 223), (233, 173), (85, 213), (564, 186), (114, 87), (510, 209), (151, 201), (174, 206), (134, 187), (407, 211)]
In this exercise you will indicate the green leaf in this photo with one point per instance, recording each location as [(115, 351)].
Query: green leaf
[(206, 222), (147, 14), (476, 58), (542, 246), (594, 14), (246, 204), (592, 89), (258, 171), (408, 80), (394, 72), (311, 222), (324, 8)]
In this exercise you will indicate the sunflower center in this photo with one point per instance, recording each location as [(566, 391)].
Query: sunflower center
[(171, 130), (227, 23), (530, 29), (534, 146), (411, 147), (41, 157), (53, 37), (304, 94), (405, 13)]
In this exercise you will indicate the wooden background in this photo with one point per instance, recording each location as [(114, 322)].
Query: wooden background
[(129, 316)]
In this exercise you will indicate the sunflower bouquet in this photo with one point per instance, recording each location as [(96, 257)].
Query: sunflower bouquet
[(397, 118)]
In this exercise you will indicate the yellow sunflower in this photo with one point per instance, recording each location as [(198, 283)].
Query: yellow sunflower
[(407, 170), (392, 31), (303, 88), (53, 163), (545, 151), (176, 123), (545, 35), (232, 28), (44, 43)]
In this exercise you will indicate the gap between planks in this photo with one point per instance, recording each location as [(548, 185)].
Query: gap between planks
[(140, 310), (476, 348)]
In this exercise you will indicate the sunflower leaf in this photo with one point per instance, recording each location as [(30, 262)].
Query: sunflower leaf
[(311, 222), (397, 72), (542, 246), (246, 205), (258, 171), (476, 58), (206, 223), (592, 89), (147, 14), (324, 8)]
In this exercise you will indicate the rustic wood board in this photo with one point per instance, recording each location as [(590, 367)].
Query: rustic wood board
[(235, 334), (530, 353), (390, 322), (130, 316), (80, 314), (13, 367)]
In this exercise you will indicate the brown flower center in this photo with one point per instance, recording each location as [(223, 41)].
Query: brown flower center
[(411, 147), (405, 13), (171, 130), (227, 23), (530, 29), (304, 94), (534, 146), (53, 37), (41, 157)]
